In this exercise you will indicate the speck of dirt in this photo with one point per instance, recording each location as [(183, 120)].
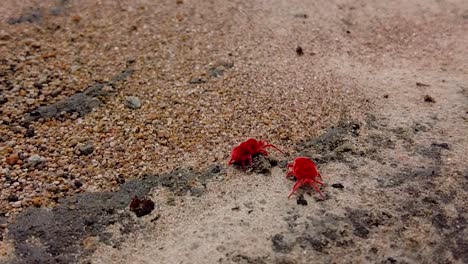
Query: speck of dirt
[(301, 201), (301, 15), (299, 51), (78, 184), (197, 80), (420, 84), (338, 185), (441, 145), (429, 99)]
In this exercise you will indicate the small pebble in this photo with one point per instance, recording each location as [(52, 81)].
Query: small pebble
[(338, 185), (86, 149), (78, 183), (301, 201), (429, 99), (420, 84), (299, 51), (35, 160), (197, 80), (16, 204), (132, 102), (141, 207), (12, 198), (12, 159)]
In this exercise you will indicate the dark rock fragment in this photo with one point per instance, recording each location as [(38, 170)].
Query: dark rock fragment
[(429, 99), (141, 207), (301, 201), (299, 51), (337, 185)]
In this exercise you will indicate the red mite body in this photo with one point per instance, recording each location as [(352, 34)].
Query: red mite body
[(247, 149), (306, 173)]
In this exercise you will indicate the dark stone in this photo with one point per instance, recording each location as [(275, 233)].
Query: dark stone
[(301, 201), (421, 84), (12, 198), (78, 184), (141, 207), (337, 185), (299, 51), (197, 80), (441, 145), (361, 231), (87, 149), (301, 16), (429, 99)]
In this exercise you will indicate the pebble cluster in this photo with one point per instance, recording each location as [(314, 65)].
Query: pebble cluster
[(196, 92)]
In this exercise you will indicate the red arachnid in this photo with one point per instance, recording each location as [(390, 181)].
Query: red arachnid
[(306, 173), (247, 149)]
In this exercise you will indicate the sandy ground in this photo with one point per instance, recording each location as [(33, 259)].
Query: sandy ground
[(379, 100)]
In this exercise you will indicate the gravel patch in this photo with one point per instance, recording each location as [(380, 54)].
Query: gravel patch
[(200, 100)]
